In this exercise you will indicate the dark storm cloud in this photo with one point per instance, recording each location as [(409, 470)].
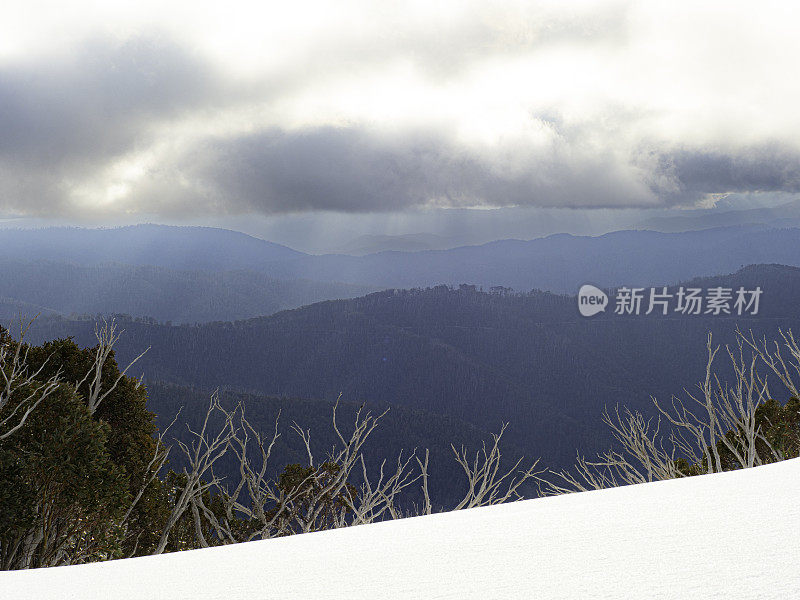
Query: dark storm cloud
[(354, 170), (332, 169), (686, 175)]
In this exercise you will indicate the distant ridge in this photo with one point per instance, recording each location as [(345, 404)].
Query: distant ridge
[(562, 263), (558, 263), (410, 242), (164, 294), (783, 215), (192, 248)]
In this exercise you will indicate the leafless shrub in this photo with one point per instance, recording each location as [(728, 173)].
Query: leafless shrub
[(713, 429), (202, 453), (322, 496), (486, 483)]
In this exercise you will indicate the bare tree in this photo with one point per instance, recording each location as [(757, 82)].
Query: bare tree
[(331, 478), (639, 457), (201, 453), (322, 494), (255, 498), (487, 484), (107, 336), (379, 501), (323, 497), (715, 428), (21, 391), (785, 368)]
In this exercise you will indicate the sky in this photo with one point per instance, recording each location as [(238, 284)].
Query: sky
[(384, 112)]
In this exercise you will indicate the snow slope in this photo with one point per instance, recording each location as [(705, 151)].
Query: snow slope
[(730, 535)]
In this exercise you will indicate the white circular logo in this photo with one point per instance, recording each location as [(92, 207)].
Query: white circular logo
[(591, 300)]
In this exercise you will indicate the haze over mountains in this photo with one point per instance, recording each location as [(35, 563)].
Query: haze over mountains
[(561, 263), (410, 242), (783, 215), (188, 274), (188, 248), (156, 292)]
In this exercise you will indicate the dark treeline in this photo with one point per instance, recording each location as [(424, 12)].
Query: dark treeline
[(481, 357)]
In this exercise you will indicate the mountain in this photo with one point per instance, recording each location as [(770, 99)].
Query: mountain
[(11, 310), (484, 358), (163, 294), (727, 535), (562, 263), (410, 242), (186, 248), (559, 263), (783, 215)]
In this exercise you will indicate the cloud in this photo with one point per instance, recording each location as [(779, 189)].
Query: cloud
[(63, 119), (353, 169), (684, 176), (328, 168), (370, 108)]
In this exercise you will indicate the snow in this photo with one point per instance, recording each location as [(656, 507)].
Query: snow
[(729, 535)]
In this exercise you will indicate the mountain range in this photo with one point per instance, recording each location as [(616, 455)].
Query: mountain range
[(480, 357), (780, 216), (185, 274), (410, 242), (182, 248), (49, 287)]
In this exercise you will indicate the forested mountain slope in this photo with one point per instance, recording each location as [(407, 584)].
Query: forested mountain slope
[(484, 358)]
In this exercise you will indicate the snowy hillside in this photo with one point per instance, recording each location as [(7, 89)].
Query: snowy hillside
[(730, 535)]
